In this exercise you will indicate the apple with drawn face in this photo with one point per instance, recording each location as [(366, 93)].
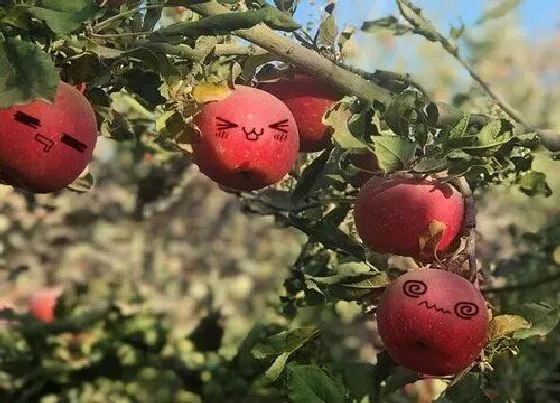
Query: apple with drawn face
[(46, 146), (432, 321), (408, 216), (247, 141)]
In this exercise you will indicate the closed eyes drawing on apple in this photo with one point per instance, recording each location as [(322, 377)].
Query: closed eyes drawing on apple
[(247, 141), (225, 126)]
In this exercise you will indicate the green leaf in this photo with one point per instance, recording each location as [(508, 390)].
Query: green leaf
[(326, 36), (337, 117), (455, 33), (26, 73), (222, 24), (285, 342), (490, 139), (357, 378), (402, 113), (275, 370), (389, 23), (352, 281), (542, 317), (533, 183), (310, 175), (333, 237), (467, 390), (360, 286), (310, 384), (393, 152), (345, 272), (65, 16), (287, 6), (505, 325), (431, 164), (498, 10), (422, 26)]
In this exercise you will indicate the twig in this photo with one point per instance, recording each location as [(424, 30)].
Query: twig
[(291, 52), (550, 141), (103, 24), (469, 225), (120, 35), (521, 286)]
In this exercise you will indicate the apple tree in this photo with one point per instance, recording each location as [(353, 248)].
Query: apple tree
[(377, 176)]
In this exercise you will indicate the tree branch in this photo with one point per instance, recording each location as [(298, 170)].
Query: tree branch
[(550, 141), (312, 62)]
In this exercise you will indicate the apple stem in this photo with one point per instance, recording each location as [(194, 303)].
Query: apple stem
[(469, 225)]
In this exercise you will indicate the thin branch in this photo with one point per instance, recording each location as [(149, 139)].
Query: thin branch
[(291, 52), (522, 286), (550, 141), (469, 224), (120, 35), (105, 23)]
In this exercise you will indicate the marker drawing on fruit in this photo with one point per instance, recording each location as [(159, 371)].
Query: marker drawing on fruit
[(434, 307), (417, 288), (62, 133), (438, 327), (414, 288), (466, 310), (73, 143), (252, 134), (27, 120), (247, 141), (45, 141)]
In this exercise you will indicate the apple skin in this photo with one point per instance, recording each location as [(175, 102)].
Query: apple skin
[(391, 214), (432, 321), (308, 99), (45, 147), (43, 303), (247, 141)]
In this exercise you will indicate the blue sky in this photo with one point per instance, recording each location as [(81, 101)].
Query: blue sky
[(537, 16)]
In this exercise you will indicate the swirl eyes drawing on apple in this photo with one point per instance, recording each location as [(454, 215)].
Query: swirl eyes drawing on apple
[(421, 331)]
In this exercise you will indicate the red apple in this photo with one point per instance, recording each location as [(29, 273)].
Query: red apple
[(398, 215), (44, 146), (308, 99), (43, 303), (247, 141), (432, 321), (368, 163)]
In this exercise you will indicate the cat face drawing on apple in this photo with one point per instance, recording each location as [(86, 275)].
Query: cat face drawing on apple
[(224, 127)]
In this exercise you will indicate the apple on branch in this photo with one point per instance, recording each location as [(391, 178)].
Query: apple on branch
[(46, 146), (433, 321), (247, 141), (408, 217), (308, 99)]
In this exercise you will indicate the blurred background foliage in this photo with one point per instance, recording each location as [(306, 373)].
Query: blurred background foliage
[(180, 274)]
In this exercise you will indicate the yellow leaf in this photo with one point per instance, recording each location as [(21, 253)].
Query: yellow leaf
[(431, 236), (556, 255), (503, 325), (209, 91)]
